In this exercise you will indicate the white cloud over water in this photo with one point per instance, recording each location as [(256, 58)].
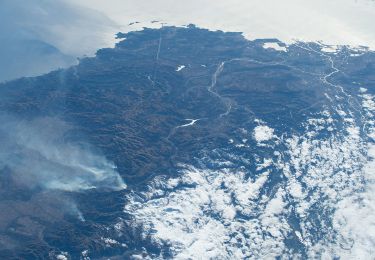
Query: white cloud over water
[(39, 36), (333, 22), (61, 30)]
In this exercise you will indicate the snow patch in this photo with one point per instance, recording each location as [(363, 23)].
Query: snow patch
[(181, 67), (274, 45), (330, 49)]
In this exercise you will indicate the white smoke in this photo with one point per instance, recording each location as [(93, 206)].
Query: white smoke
[(39, 155)]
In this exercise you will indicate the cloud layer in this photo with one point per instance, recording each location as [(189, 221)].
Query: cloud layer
[(321, 207), (39, 36), (334, 22)]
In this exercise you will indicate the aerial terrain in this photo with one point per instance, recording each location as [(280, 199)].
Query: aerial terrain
[(188, 143)]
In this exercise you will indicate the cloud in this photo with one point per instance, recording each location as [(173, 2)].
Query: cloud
[(39, 36), (263, 133), (334, 22), (39, 155), (313, 198)]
